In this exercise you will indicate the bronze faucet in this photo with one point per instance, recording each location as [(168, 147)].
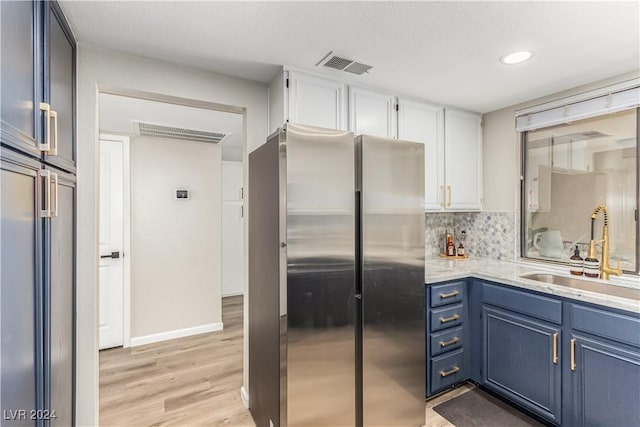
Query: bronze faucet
[(605, 270)]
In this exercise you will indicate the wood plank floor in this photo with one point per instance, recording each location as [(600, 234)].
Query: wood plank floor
[(192, 381), (187, 381)]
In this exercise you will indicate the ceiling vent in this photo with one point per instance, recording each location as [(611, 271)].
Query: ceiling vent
[(173, 132), (342, 63)]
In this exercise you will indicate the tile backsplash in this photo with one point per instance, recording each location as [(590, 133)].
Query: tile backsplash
[(489, 234)]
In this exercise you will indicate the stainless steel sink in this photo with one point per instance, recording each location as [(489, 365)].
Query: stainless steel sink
[(585, 285)]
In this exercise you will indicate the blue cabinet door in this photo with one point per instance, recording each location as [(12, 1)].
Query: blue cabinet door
[(605, 383), (60, 62), (20, 79), (521, 361), (21, 285), (59, 296)]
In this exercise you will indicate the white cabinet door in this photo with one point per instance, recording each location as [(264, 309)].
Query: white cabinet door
[(232, 229), (420, 122), (316, 101), (463, 160), (372, 113)]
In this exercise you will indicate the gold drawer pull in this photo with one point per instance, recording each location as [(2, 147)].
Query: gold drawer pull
[(573, 354), (449, 319), (451, 372), (449, 295), (448, 343), (555, 348)]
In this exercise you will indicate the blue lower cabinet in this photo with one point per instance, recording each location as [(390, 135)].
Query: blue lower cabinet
[(521, 361), (447, 370), (605, 383)]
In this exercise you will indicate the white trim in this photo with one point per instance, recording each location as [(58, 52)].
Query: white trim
[(233, 294), (177, 333), (244, 395)]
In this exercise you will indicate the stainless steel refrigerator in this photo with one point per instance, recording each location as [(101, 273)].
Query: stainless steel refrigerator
[(336, 280)]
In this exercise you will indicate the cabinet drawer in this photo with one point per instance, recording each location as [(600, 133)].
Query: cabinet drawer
[(446, 317), (448, 340), (606, 324), (523, 302), (447, 293), (447, 370)]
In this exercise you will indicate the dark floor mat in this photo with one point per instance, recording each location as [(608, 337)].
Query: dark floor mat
[(477, 408)]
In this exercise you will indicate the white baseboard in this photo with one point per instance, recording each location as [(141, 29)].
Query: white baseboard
[(244, 396), (178, 333), (233, 294)]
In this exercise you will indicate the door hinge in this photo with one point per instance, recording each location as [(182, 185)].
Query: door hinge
[(287, 82), (636, 215), (397, 107), (242, 211)]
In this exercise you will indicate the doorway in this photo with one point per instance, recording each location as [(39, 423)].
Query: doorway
[(171, 208)]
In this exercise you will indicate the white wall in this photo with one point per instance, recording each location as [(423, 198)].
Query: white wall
[(176, 266), (97, 68), (502, 148)]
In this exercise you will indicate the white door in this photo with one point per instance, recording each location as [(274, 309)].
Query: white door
[(463, 160), (315, 101), (232, 230), (372, 113), (420, 122), (111, 242)]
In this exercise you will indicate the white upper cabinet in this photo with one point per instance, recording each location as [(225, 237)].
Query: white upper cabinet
[(424, 123), (372, 113), (463, 160), (316, 101)]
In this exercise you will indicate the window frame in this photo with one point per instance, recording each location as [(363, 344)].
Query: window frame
[(523, 199)]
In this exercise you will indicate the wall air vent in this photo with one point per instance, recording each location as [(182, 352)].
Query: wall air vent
[(174, 132), (342, 63)]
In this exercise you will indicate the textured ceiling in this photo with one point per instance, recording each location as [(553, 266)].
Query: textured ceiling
[(446, 52)]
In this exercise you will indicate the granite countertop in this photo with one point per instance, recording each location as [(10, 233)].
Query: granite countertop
[(624, 295)]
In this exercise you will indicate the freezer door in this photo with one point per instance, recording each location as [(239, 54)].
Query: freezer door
[(320, 267), (393, 292)]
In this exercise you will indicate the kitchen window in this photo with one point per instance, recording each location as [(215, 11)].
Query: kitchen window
[(568, 170)]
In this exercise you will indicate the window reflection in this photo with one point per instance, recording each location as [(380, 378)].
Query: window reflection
[(569, 170)]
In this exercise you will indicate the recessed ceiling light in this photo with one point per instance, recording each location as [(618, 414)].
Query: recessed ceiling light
[(516, 57)]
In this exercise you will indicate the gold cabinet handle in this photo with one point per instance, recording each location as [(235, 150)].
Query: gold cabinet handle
[(449, 189), (530, 199), (53, 151), (443, 196), (448, 343), (573, 354), (54, 208), (555, 348), (449, 319), (451, 372), (449, 295), (46, 212), (46, 108)]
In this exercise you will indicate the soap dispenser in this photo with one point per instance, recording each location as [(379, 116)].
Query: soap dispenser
[(576, 266), (591, 262)]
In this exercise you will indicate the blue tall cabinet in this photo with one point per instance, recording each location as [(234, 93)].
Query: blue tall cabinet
[(38, 205)]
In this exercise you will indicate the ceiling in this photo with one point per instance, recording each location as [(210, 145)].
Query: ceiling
[(118, 112), (446, 52)]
